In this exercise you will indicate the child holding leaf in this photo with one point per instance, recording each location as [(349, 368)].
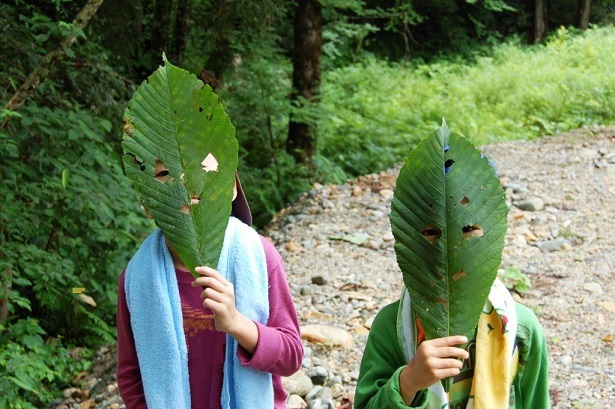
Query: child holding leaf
[(455, 338), (191, 335)]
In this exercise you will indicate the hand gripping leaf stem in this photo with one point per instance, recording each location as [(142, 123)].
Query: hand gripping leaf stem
[(449, 220), (180, 153)]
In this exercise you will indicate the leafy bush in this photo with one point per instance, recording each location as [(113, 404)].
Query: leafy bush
[(32, 368), (375, 111), (68, 220)]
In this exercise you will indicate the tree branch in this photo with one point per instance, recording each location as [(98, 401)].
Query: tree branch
[(43, 69)]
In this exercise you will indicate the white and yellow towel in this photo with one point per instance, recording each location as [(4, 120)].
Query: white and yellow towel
[(496, 351)]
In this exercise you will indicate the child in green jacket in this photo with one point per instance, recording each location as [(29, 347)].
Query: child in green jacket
[(388, 380)]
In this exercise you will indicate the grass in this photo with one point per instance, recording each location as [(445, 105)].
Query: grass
[(374, 112)]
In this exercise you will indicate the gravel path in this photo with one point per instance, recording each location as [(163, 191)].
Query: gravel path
[(338, 250)]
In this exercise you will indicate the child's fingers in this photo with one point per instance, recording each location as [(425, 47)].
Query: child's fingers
[(449, 341), (210, 272), (210, 278), (209, 282), (446, 363), (451, 352)]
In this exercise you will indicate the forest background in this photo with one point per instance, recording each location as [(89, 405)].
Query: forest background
[(318, 91)]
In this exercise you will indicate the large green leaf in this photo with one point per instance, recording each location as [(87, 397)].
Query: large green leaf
[(174, 122), (449, 220)]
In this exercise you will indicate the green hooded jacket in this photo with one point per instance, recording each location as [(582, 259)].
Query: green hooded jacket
[(383, 360)]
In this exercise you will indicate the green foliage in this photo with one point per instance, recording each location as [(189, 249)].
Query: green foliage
[(69, 218), (32, 367), (374, 110), (181, 156), (515, 279), (449, 220), (255, 98)]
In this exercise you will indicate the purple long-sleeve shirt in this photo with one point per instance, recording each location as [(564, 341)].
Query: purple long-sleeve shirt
[(279, 350)]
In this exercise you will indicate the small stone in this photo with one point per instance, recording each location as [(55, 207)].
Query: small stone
[(388, 236), (88, 404), (386, 193), (565, 360), (319, 280), (355, 295), (607, 305), (595, 288), (71, 392), (328, 335), (317, 374), (531, 205), (553, 245), (338, 390), (298, 383), (311, 395), (294, 247), (327, 204), (295, 402)]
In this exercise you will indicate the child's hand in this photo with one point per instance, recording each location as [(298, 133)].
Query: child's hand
[(434, 360), (219, 295)]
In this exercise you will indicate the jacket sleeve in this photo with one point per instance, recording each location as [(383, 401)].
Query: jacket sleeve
[(128, 373), (533, 374), (382, 362), (279, 350)]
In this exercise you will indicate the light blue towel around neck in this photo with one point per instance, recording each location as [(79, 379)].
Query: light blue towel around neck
[(153, 300)]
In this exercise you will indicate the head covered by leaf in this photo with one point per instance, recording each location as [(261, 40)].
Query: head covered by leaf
[(449, 220), (180, 153)]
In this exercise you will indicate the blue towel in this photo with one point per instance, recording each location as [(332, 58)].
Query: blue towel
[(152, 297), (153, 301), (243, 263)]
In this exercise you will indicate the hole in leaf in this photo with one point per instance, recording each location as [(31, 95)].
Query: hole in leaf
[(431, 233), (465, 200), (474, 230), (210, 163), (459, 275), (210, 117), (195, 200), (161, 173), (140, 163), (185, 209), (446, 148), (447, 165), (200, 109)]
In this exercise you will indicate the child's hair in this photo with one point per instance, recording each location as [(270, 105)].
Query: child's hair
[(241, 208)]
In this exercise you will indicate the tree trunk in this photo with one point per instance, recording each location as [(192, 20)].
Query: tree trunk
[(301, 142), (161, 29), (540, 21), (180, 32), (4, 302), (585, 7), (48, 62)]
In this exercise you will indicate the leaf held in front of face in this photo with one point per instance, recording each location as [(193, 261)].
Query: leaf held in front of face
[(181, 157), (449, 220)]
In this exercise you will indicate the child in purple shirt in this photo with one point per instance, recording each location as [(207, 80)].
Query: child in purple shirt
[(209, 314)]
